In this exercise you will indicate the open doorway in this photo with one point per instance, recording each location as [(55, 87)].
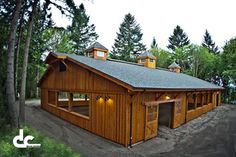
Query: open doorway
[(165, 115)]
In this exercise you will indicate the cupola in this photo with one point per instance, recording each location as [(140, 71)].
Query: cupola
[(147, 59), (174, 67), (97, 51)]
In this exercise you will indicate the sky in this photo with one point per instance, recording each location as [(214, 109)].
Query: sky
[(158, 18)]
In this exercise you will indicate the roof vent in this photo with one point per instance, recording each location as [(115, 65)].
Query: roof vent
[(174, 67), (97, 51), (147, 59)]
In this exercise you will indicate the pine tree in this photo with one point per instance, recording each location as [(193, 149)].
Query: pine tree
[(82, 34), (178, 39), (128, 43), (209, 44), (154, 43)]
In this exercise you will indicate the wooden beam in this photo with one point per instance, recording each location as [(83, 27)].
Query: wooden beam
[(155, 103), (158, 97)]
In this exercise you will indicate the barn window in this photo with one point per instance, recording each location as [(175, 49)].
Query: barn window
[(143, 60), (205, 99), (80, 104), (191, 101), (151, 60), (199, 100), (100, 54), (52, 97), (152, 113), (63, 100), (62, 67), (209, 100)]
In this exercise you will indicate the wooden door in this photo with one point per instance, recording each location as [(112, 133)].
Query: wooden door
[(104, 116), (151, 123), (98, 112), (110, 117)]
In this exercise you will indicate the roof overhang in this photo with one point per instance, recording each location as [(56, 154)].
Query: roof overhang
[(53, 57)]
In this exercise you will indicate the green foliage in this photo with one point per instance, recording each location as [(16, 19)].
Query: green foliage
[(154, 43), (178, 39), (81, 33), (4, 30), (229, 59), (209, 44), (49, 147), (128, 42), (197, 61), (57, 39), (163, 57)]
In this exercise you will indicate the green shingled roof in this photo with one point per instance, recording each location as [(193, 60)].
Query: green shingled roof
[(142, 77)]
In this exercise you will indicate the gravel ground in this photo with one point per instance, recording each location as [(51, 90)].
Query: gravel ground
[(212, 134)]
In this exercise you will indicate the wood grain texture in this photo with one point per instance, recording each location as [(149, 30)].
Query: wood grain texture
[(109, 117)]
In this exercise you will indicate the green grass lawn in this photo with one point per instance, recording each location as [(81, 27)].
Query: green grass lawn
[(49, 147)]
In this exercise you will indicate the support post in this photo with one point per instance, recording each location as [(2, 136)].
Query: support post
[(56, 97), (70, 101), (131, 121)]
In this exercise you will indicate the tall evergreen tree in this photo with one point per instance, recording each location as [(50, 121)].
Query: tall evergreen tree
[(82, 34), (209, 44), (128, 42), (178, 39), (154, 43)]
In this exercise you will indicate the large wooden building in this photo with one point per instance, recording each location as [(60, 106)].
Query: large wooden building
[(122, 101)]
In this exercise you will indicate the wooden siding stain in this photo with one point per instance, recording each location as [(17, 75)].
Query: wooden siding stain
[(111, 118)]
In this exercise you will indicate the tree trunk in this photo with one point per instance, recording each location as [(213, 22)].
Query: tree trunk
[(25, 65), (37, 89), (18, 52), (17, 60), (10, 91)]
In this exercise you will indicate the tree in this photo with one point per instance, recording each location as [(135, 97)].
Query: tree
[(10, 91), (197, 61), (81, 33), (15, 14), (154, 43), (163, 57), (178, 39), (25, 63), (229, 59), (57, 39), (209, 44), (128, 42)]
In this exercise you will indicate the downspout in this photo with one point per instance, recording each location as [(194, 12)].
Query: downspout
[(131, 121)]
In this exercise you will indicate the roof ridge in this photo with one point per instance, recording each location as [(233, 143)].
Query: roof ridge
[(122, 61)]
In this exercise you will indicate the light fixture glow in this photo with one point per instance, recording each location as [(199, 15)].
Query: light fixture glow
[(167, 97)]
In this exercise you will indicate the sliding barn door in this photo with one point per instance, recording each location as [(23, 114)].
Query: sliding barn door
[(104, 116), (110, 117), (151, 123)]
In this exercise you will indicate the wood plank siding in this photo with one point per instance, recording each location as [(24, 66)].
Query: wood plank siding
[(109, 105)]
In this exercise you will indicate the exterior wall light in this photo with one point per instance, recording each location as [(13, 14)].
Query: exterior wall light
[(167, 97), (98, 97), (107, 98)]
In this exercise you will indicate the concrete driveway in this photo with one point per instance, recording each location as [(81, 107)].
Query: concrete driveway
[(212, 134)]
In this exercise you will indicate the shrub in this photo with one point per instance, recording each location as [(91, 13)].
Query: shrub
[(49, 147)]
